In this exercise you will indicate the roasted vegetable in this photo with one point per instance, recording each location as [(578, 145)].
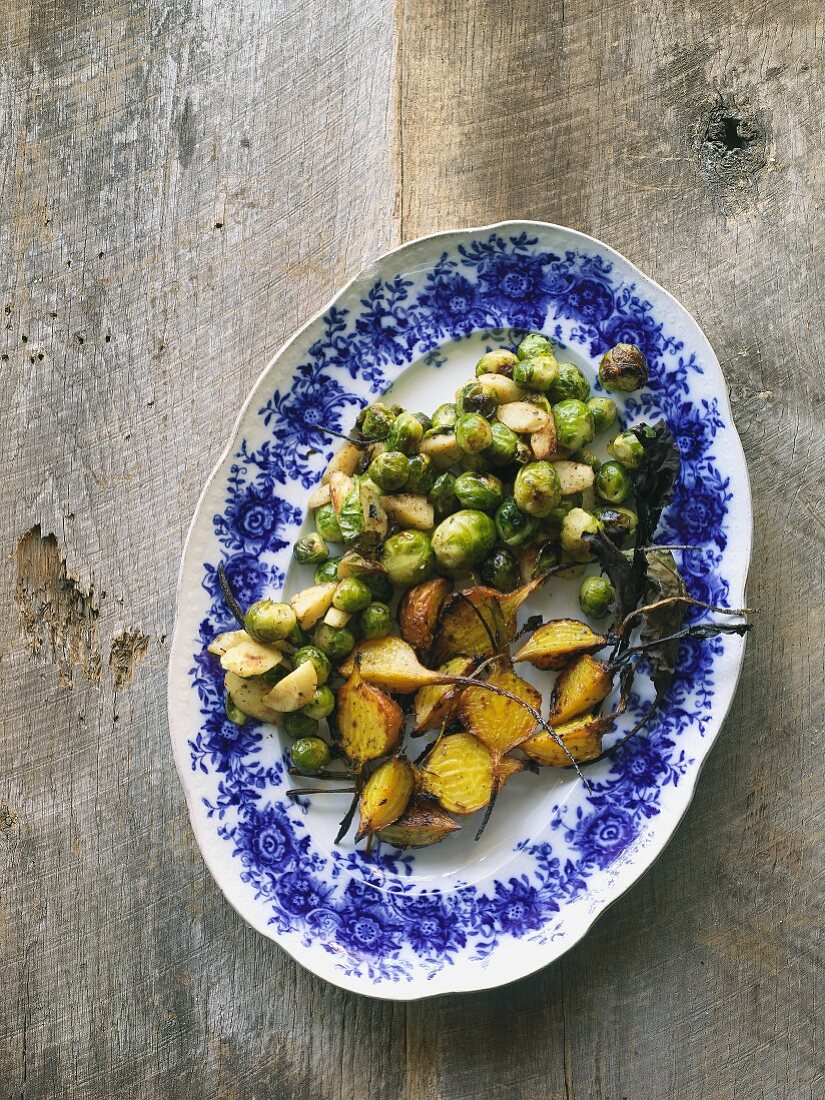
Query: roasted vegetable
[(459, 773), (478, 620), (362, 518), (311, 653), (539, 372), (375, 620), (408, 557), (523, 417), (481, 491), (311, 604), (574, 527), (268, 621), (298, 724), (327, 525), (412, 511), (406, 434), (500, 723), (574, 477), (321, 705), (335, 642), (438, 703), (295, 690), (385, 796), (346, 461), (248, 696), (595, 596), (534, 344), (582, 737), (463, 539), (369, 722), (627, 449), (389, 470), (473, 433), (390, 663), (514, 526), (604, 412), (422, 824), (375, 421), (556, 643), (418, 612), (537, 490), (570, 384), (477, 397), (613, 482), (309, 755), (623, 368), (222, 642), (250, 658), (351, 595), (501, 570), (579, 688), (575, 427), (496, 362), (310, 550)]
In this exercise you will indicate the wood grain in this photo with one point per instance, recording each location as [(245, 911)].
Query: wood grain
[(183, 184)]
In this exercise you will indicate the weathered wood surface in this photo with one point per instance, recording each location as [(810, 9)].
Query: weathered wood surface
[(182, 185)]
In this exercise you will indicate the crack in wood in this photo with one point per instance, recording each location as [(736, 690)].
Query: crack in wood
[(128, 648)]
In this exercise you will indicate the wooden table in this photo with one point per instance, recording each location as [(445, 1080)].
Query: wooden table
[(183, 184)]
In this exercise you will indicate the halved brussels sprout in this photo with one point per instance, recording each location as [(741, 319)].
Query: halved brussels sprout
[(481, 491), (463, 539)]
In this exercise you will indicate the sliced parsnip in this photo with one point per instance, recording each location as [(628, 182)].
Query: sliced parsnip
[(222, 642), (249, 658), (423, 823), (556, 643), (369, 722), (579, 688), (345, 462), (386, 795), (410, 510), (543, 442), (574, 477), (459, 773), (340, 487), (337, 618), (441, 449), (248, 696), (523, 417), (319, 496), (505, 388), (311, 604), (295, 690)]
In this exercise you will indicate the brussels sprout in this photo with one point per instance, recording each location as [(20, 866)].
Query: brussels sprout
[(515, 527), (502, 450), (310, 550), (619, 523), (540, 401), (570, 383), (481, 491), (297, 636), (375, 621), (496, 362), (323, 669), (327, 571), (475, 397), (501, 570), (309, 755), (267, 621), (613, 482), (380, 586), (322, 703), (537, 489), (463, 539), (351, 595), (604, 412), (623, 368), (327, 525), (547, 557), (534, 344), (575, 525), (538, 373), (423, 420), (444, 416), (595, 596), (588, 458), (336, 643), (297, 724), (389, 470), (574, 424), (627, 449), (565, 505), (473, 433), (524, 453), (362, 520), (375, 421), (443, 495), (421, 474), (405, 434), (233, 712), (408, 557), (473, 464)]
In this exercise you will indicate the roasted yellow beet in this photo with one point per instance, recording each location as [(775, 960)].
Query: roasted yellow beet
[(579, 688), (386, 795), (437, 703), (418, 612), (558, 642), (369, 722), (390, 663), (423, 823), (509, 766), (582, 736), (460, 627), (500, 723), (459, 773)]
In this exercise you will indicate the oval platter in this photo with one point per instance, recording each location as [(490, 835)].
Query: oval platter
[(460, 916)]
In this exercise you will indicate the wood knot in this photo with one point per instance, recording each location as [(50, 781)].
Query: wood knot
[(732, 153)]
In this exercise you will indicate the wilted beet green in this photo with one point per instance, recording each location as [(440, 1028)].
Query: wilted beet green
[(619, 524), (463, 539), (537, 489), (477, 490)]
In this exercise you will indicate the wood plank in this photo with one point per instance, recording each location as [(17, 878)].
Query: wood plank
[(183, 185), (703, 981)]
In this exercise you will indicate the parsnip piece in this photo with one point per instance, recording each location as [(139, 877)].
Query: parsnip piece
[(311, 604), (295, 690), (574, 477), (248, 696), (249, 658), (523, 417), (319, 496), (222, 642), (410, 510), (505, 388), (345, 461)]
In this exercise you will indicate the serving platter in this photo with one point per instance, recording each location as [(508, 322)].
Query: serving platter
[(463, 915)]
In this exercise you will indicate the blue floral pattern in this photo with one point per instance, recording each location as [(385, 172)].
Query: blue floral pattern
[(361, 908)]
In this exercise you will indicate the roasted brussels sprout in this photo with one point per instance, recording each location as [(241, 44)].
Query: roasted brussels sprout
[(233, 712), (310, 550), (406, 434), (322, 704), (481, 491), (574, 424), (375, 621), (497, 362), (619, 524), (475, 397), (515, 527), (443, 495), (503, 448), (623, 368), (444, 416), (408, 557), (473, 463), (379, 585), (327, 525), (604, 412), (595, 596), (613, 482), (627, 449), (547, 557), (423, 420), (389, 470), (537, 373), (421, 474), (537, 489), (463, 539), (267, 621), (336, 643), (351, 595), (473, 433), (375, 421), (534, 344), (575, 525), (323, 669), (297, 636), (588, 458), (309, 755), (501, 570), (297, 724), (523, 454), (327, 571), (569, 383)]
